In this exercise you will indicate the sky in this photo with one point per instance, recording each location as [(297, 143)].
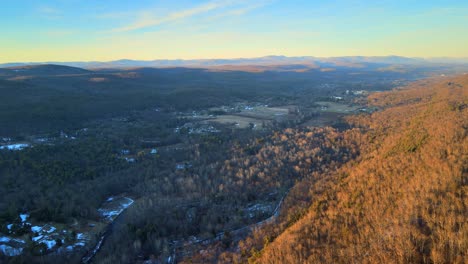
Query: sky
[(105, 30)]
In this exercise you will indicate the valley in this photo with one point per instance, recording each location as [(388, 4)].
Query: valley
[(168, 163)]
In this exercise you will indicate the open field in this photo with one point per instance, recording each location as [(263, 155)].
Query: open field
[(266, 113), (237, 121), (254, 116), (333, 107)]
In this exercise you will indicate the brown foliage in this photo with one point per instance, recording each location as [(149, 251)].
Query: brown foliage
[(405, 199)]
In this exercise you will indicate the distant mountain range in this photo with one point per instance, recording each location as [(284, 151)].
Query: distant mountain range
[(352, 61)]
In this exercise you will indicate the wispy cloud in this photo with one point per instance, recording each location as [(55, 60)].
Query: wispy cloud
[(49, 12), (148, 19), (242, 10)]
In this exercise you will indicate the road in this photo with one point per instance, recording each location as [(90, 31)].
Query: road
[(180, 248)]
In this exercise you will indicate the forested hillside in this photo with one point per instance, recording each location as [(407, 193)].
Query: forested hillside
[(402, 200), (405, 199)]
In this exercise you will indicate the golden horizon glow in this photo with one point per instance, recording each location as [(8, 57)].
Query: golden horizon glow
[(223, 29)]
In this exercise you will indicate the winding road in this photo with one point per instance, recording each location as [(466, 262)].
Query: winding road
[(179, 245)]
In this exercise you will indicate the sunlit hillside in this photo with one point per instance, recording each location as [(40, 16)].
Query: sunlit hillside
[(405, 199)]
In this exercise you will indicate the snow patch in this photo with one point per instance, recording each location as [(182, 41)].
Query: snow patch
[(130, 160), (80, 236), (110, 214), (45, 229), (35, 239), (36, 229), (182, 166), (42, 239), (5, 239), (10, 251), (49, 243), (125, 152), (80, 244), (18, 146), (118, 206), (51, 229), (24, 217)]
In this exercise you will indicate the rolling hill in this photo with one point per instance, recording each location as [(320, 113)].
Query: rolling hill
[(44, 98), (349, 61), (44, 69)]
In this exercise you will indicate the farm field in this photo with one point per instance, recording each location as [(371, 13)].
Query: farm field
[(254, 117), (341, 108)]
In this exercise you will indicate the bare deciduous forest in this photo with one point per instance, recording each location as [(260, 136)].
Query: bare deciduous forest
[(402, 200)]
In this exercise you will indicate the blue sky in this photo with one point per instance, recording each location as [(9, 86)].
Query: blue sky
[(86, 30)]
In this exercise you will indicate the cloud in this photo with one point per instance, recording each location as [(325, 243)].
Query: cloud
[(242, 10), (147, 19), (49, 12)]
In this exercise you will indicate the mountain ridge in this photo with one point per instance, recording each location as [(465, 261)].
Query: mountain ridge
[(266, 60)]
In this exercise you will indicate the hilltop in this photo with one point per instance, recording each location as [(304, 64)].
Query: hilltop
[(41, 70)]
